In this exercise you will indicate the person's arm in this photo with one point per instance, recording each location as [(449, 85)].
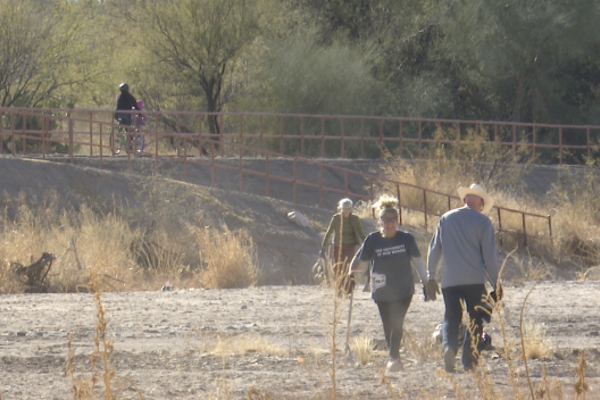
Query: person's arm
[(419, 265), (359, 261), (359, 228), (328, 233), (356, 266), (489, 254), (434, 254)]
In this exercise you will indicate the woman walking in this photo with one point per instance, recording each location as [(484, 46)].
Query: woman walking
[(392, 253), (348, 234)]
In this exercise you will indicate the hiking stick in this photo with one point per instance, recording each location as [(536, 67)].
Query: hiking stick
[(350, 358)]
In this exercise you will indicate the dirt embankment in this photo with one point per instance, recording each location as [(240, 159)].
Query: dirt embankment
[(285, 250)]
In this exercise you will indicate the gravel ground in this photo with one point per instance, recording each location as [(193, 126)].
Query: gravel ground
[(196, 344)]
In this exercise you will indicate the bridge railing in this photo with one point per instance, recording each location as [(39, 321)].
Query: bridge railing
[(330, 136), (43, 133)]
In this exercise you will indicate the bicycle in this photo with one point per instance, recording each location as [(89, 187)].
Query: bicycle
[(127, 137)]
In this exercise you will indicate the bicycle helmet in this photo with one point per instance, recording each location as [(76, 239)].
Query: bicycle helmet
[(140, 104), (124, 87)]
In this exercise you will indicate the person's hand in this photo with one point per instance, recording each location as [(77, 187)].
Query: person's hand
[(497, 294), (432, 289), (351, 283)]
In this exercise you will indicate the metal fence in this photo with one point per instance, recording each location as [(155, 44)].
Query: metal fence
[(274, 155)]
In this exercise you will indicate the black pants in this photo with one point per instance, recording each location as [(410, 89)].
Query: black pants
[(392, 315), (472, 295), (123, 118)]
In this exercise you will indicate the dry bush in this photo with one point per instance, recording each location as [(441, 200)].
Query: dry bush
[(228, 258), (81, 241), (536, 342), (162, 261), (362, 349)]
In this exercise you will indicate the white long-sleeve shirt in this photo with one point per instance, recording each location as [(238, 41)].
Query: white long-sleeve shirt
[(465, 239)]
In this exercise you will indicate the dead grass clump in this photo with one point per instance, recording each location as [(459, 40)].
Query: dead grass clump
[(242, 345), (362, 349), (535, 340), (228, 258)]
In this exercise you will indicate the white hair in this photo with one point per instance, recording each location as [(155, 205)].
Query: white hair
[(345, 204)]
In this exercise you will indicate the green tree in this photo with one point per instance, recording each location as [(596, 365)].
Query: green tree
[(197, 42), (509, 56), (43, 53)]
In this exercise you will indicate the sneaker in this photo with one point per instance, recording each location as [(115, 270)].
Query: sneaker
[(449, 360), (394, 365)]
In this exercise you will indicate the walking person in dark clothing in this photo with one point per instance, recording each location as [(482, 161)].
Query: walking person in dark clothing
[(392, 254), (465, 239)]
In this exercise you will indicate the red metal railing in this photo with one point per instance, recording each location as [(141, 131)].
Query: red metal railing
[(45, 132), (313, 136)]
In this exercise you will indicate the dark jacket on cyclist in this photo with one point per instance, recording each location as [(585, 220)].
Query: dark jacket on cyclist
[(125, 101)]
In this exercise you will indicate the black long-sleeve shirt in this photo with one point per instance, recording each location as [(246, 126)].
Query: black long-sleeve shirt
[(126, 101)]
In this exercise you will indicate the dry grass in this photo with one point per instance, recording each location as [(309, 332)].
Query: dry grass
[(244, 344), (420, 346), (362, 349), (228, 258), (537, 344), (101, 381), (572, 202), (86, 242), (83, 242)]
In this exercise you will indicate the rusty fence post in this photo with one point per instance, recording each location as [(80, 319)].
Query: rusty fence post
[(524, 230), (268, 177), (425, 207), (322, 137), (500, 226), (71, 144), (321, 190), (550, 230), (295, 181), (342, 138), (101, 149)]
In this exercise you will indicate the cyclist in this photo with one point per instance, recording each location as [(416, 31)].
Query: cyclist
[(125, 102)]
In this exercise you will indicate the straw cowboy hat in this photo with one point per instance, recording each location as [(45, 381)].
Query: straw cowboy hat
[(477, 190)]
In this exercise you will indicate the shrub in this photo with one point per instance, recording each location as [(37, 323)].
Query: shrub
[(228, 258)]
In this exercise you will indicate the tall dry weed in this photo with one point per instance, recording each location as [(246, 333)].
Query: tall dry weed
[(80, 240), (101, 380), (228, 258)]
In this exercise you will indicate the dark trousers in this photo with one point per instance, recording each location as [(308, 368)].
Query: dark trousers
[(392, 315), (472, 296)]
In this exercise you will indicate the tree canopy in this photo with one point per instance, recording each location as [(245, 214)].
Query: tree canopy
[(514, 60)]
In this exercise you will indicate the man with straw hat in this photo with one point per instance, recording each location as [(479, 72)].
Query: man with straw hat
[(465, 239)]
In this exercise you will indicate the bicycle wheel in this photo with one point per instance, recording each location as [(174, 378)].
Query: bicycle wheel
[(115, 143), (138, 143)]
